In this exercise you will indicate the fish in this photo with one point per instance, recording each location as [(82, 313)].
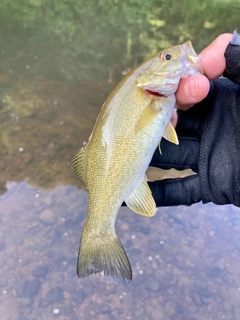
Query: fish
[(113, 163)]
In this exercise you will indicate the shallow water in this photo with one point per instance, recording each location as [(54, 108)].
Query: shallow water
[(58, 64)]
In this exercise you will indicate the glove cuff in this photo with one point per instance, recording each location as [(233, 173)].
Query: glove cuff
[(232, 56)]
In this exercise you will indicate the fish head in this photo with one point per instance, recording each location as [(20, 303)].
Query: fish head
[(165, 70)]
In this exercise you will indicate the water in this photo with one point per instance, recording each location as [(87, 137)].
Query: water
[(59, 61)]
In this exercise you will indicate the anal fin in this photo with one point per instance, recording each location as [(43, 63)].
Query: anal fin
[(141, 200)]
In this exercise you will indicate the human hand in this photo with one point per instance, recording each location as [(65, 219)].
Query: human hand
[(195, 88), (208, 133)]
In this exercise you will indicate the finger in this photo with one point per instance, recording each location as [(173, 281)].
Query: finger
[(191, 91), (195, 88), (174, 118), (180, 157), (212, 58), (174, 192)]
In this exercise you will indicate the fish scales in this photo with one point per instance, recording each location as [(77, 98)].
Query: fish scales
[(131, 123)]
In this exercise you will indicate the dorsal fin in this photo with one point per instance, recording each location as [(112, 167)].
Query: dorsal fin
[(79, 164)]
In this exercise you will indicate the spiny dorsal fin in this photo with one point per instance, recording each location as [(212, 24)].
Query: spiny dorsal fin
[(141, 200), (79, 164), (170, 134)]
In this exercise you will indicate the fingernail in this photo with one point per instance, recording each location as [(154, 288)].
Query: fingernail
[(193, 87)]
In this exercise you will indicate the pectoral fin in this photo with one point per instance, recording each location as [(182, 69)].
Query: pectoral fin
[(141, 200), (79, 164), (148, 114), (170, 134), (159, 147)]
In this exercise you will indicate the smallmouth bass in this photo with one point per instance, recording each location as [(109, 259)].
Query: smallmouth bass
[(131, 124)]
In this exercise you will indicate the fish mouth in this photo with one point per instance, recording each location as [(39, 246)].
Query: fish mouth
[(192, 57), (159, 90)]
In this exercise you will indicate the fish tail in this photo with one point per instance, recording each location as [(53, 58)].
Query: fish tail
[(104, 255)]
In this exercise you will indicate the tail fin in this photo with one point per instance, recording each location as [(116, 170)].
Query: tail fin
[(104, 255)]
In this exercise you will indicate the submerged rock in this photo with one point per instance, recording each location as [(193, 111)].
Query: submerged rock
[(40, 271), (31, 288), (55, 295), (48, 216)]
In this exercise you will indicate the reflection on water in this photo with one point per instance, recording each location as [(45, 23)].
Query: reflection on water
[(57, 65), (42, 127), (185, 261)]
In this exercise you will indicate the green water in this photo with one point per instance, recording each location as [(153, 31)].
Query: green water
[(58, 62)]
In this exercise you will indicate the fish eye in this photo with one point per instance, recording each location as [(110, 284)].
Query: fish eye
[(166, 56)]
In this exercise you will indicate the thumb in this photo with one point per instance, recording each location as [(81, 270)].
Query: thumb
[(192, 90), (212, 58)]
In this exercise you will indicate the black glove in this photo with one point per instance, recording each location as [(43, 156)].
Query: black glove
[(209, 144)]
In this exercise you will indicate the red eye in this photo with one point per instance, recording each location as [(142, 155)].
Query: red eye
[(166, 56)]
